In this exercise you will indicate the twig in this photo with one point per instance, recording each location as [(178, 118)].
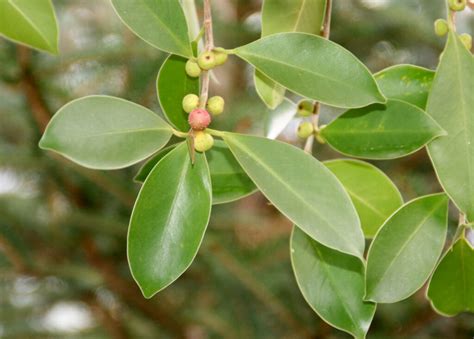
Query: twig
[(112, 325), (28, 83), (325, 32), (13, 256), (208, 46)]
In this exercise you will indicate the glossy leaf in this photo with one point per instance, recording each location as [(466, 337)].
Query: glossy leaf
[(271, 93), (229, 181), (373, 194), (407, 83), (451, 104), (292, 16), (161, 23), (302, 188), (313, 67), (451, 289), (332, 283), (169, 220), (379, 131), (172, 85), (279, 16), (145, 170), (32, 23), (105, 132), (405, 250), (277, 120)]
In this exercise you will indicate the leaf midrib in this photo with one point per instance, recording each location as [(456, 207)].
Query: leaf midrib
[(464, 117), (126, 131), (33, 25), (412, 235), (260, 56), (170, 32), (290, 189), (324, 265)]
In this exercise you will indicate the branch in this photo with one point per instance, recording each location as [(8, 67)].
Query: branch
[(325, 32), (28, 83), (112, 325), (208, 46)]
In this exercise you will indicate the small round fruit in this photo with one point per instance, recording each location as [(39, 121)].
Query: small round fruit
[(207, 60), (457, 5), (441, 27), (192, 68), (305, 129), (203, 141), (220, 56), (199, 119), (466, 40), (215, 105), (190, 102), (305, 108)]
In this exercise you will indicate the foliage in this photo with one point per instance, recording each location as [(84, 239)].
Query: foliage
[(333, 205)]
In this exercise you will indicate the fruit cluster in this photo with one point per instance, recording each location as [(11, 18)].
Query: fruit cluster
[(442, 26), (206, 61), (200, 113), (307, 128)]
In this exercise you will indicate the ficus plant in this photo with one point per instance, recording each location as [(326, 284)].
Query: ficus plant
[(336, 206)]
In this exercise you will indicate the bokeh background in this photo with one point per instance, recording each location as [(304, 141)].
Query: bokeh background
[(63, 268)]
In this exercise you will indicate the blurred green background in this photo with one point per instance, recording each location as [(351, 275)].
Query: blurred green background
[(63, 268)]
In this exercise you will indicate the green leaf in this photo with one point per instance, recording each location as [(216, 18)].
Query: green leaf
[(276, 120), (146, 168), (451, 104), (279, 16), (105, 132), (271, 93), (292, 16), (161, 23), (407, 83), (172, 85), (375, 200), (451, 289), (32, 23), (229, 181), (332, 283), (379, 131), (406, 248), (302, 188), (313, 67), (169, 220)]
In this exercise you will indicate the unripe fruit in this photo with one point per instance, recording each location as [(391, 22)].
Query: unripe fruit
[(457, 5), (190, 102), (466, 40), (305, 108), (441, 27), (192, 68), (221, 57), (199, 119), (203, 141), (207, 60), (215, 105), (305, 129)]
